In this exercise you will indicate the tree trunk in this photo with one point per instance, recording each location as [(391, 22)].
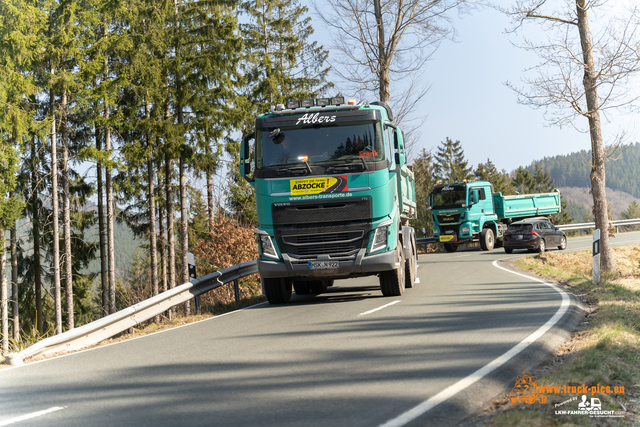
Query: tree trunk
[(3, 295), (152, 214), (171, 262), (55, 213), (14, 281), (598, 181), (383, 72), (66, 212), (210, 199), (109, 188), (185, 230), (102, 232), (163, 242), (35, 203)]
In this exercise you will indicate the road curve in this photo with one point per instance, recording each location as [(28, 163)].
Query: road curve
[(347, 357)]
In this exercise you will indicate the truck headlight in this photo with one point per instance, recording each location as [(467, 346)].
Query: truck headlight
[(267, 246), (465, 230), (380, 236)]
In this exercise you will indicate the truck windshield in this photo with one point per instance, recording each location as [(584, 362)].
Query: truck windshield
[(449, 196), (323, 145)]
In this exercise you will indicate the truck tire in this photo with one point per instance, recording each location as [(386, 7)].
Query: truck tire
[(301, 287), (410, 268), (450, 247), (318, 286), (392, 281), (487, 240), (277, 289)]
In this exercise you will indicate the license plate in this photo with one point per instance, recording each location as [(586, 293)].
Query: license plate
[(517, 237), (447, 238), (321, 265)]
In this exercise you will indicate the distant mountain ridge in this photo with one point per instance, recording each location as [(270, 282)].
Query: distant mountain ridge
[(572, 170)]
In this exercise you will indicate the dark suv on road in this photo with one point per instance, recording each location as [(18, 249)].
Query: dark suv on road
[(535, 235)]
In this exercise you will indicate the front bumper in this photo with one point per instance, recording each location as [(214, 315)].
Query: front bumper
[(360, 265)]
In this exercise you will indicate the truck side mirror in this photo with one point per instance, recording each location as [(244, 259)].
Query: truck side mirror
[(245, 157)]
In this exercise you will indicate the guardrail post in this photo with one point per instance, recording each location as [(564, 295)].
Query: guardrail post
[(191, 262), (236, 290), (596, 257)]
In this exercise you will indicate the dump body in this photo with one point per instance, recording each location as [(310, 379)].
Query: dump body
[(470, 212), (328, 181), (526, 205)]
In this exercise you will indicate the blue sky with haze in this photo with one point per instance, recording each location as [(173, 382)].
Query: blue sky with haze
[(468, 100)]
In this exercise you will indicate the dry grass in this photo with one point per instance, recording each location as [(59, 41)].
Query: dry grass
[(604, 350)]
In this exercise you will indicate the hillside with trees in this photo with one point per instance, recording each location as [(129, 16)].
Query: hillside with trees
[(572, 170)]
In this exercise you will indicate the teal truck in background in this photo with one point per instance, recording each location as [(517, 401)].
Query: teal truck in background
[(334, 197), (465, 212)]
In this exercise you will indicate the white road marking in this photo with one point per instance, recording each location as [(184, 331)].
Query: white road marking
[(417, 280), (450, 391), (29, 416), (379, 308), (460, 256)]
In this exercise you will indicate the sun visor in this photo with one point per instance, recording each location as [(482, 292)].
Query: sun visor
[(318, 117)]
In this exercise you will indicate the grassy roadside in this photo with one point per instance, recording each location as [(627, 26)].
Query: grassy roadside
[(604, 351)]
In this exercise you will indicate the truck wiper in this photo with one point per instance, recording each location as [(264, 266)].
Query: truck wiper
[(347, 167), (295, 169)]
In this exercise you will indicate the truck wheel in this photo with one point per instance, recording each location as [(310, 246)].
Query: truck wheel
[(410, 269), (486, 239), (318, 286), (392, 281), (301, 288), (277, 289), (450, 247)]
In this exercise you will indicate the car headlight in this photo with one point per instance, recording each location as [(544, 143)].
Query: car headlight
[(267, 246)]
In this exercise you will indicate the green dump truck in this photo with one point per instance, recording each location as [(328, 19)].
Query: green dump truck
[(465, 212), (333, 195)]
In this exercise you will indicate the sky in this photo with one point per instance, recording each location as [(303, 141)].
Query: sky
[(468, 100)]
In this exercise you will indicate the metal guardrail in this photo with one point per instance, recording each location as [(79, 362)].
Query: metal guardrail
[(94, 332), (581, 226), (426, 240), (589, 225)]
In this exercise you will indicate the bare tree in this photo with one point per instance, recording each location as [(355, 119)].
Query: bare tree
[(582, 76), (380, 41)]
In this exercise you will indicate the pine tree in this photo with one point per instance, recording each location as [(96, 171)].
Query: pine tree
[(501, 181), (450, 163), (632, 212), (423, 170)]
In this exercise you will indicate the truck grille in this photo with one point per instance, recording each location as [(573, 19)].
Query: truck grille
[(345, 229), (449, 230)]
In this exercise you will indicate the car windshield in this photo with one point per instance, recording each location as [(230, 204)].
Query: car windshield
[(449, 196), (514, 228), (323, 145)]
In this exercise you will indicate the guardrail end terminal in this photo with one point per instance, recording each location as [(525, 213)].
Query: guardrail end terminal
[(14, 359)]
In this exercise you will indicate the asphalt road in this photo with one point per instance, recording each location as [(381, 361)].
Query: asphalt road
[(349, 357)]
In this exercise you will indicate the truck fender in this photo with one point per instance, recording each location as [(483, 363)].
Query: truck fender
[(408, 237)]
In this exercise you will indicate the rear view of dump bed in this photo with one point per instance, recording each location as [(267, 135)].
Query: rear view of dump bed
[(526, 205)]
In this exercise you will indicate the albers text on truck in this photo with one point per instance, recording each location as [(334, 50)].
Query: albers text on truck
[(334, 197), (466, 212)]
